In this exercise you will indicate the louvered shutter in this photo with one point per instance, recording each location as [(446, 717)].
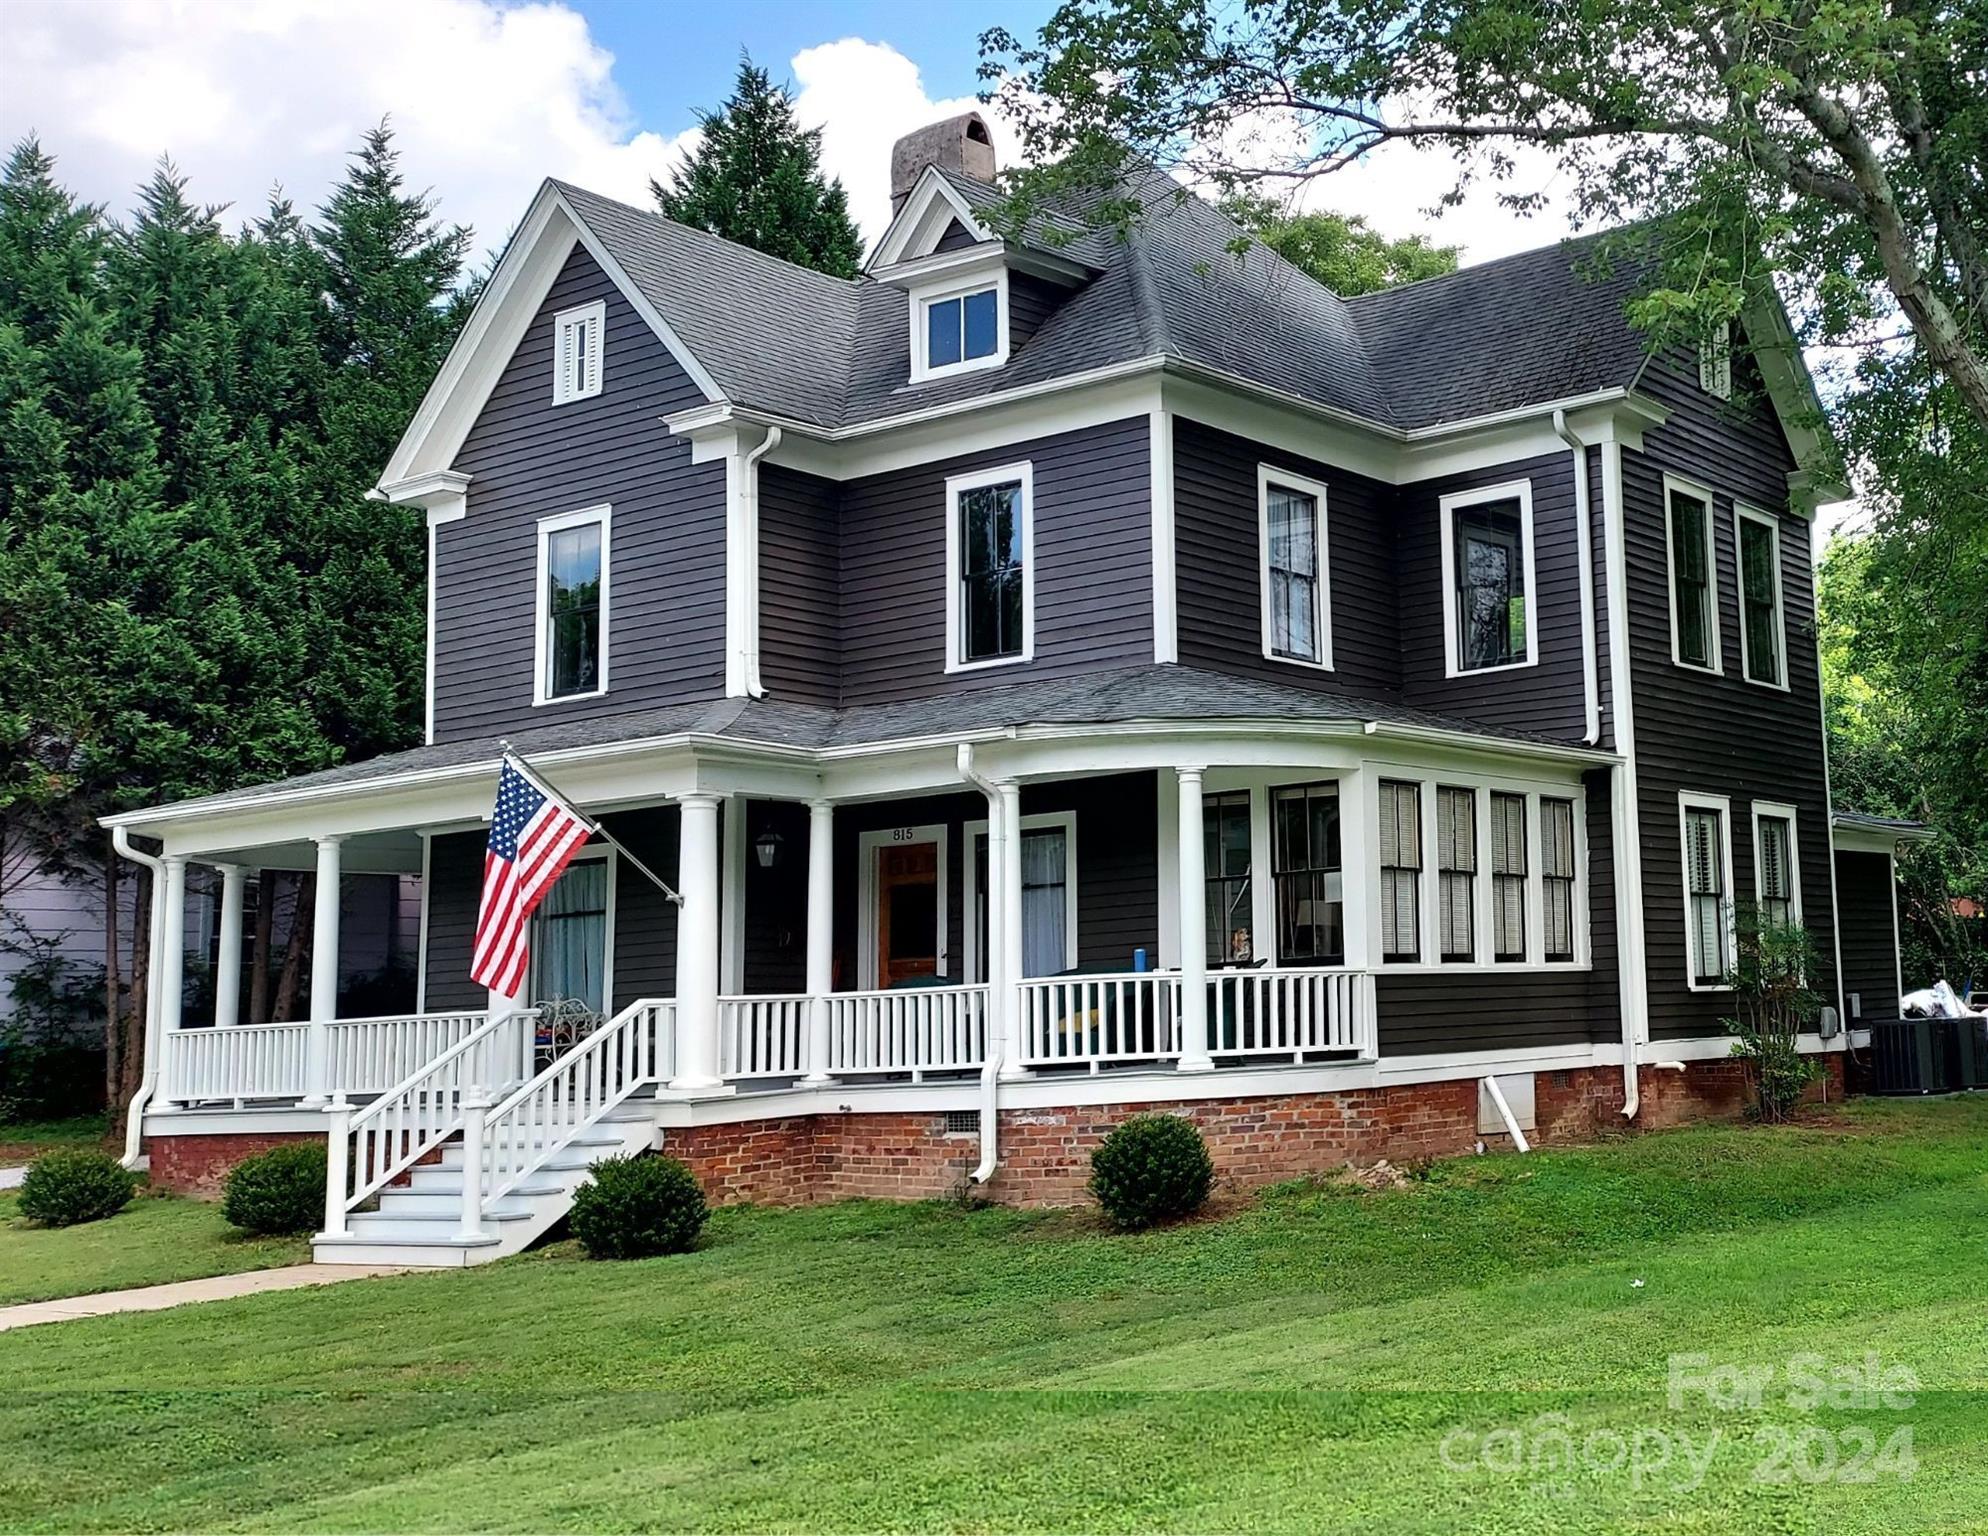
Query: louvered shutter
[(590, 343)]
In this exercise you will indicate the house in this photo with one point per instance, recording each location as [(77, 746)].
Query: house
[(1061, 677)]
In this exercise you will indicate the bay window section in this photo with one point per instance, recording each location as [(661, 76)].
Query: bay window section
[(1225, 828), (1456, 873), (1297, 605), (1508, 877), (1400, 851), (1306, 875), (1556, 871)]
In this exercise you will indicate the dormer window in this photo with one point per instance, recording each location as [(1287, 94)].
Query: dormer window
[(959, 327), (576, 352)]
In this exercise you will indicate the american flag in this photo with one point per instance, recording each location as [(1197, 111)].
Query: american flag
[(532, 839)]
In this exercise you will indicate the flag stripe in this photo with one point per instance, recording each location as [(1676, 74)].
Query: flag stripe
[(532, 839)]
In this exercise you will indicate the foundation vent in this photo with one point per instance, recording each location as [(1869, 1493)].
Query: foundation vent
[(962, 1122)]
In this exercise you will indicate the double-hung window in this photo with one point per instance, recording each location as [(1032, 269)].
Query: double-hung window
[(1777, 888), (1763, 649), (1708, 878), (1230, 902), (1305, 868), (577, 342), (1297, 599), (1556, 877), (1508, 877), (1694, 587), (572, 606), (1401, 870), (990, 616), (1456, 872), (1487, 569)]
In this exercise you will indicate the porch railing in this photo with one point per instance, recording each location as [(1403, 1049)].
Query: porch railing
[(1095, 1021), (763, 1036), (371, 1055), (272, 1061), (913, 1030), (1292, 1013)]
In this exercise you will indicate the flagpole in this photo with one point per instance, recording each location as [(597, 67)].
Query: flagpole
[(544, 787)]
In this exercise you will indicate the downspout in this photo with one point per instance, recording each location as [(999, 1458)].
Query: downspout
[(990, 1069), (1590, 676), (750, 492), (1625, 820), (135, 1117)]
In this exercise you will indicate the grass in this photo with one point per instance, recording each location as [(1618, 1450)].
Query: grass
[(1319, 1359), (24, 1140), (154, 1240)]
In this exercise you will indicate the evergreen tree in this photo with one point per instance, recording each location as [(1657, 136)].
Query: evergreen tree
[(757, 179)]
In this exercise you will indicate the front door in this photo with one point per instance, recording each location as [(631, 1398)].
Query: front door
[(907, 912)]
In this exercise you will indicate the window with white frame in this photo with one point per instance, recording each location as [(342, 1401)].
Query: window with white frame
[(1456, 873), (1508, 878), (1708, 916), (1715, 362), (959, 330), (572, 606), (573, 929), (1763, 643), (1694, 587), (1306, 874), (578, 339), (1777, 885), (1049, 895), (990, 612), (1297, 600), (1487, 571), (1556, 877), (1229, 908), (1401, 870)]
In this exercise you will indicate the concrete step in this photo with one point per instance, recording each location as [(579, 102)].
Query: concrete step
[(421, 1229), (446, 1203), (421, 1255)]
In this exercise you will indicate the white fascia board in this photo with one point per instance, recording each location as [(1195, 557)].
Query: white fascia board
[(1859, 839), (1797, 406), (932, 204)]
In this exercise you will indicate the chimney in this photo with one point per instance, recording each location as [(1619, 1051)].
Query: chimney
[(960, 144)]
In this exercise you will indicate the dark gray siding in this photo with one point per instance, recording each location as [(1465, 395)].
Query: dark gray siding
[(455, 881), (1093, 566), (1719, 735), (1219, 581), (956, 238), (529, 459), (1546, 697), (1031, 301), (1870, 959), (800, 654)]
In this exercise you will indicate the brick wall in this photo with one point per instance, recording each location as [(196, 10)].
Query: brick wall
[(198, 1165)]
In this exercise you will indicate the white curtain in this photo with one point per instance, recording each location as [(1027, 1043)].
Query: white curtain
[(1045, 897), (572, 936)]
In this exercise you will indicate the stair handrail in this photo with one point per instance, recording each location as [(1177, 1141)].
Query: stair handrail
[(407, 1122), (633, 1049)]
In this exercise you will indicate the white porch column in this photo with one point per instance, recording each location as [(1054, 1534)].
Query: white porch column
[(324, 976), (1010, 995), (170, 977), (1193, 926), (697, 948), (228, 967), (821, 934)]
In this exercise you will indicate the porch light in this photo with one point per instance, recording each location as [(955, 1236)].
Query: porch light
[(767, 846)]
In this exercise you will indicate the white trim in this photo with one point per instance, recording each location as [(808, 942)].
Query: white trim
[(734, 851), (599, 852), (1166, 612), (1510, 490), (1024, 473), (868, 845), (1891, 900), (1041, 821), (1167, 840), (584, 319), (421, 941), (915, 231), (1742, 513), (948, 288), (1691, 488), (1625, 811), (1722, 806), (1266, 476), (1772, 809), (559, 522)]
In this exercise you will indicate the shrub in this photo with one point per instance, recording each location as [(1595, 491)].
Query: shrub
[(62, 1189), (278, 1191), (1774, 1004), (1153, 1168), (634, 1207)]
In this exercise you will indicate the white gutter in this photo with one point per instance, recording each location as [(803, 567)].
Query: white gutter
[(1590, 672), (135, 1117), (1625, 816), (990, 1069)]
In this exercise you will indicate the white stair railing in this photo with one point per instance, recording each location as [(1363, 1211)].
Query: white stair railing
[(634, 1049), (371, 1147), (764, 1036), (914, 1029), (1093, 1021)]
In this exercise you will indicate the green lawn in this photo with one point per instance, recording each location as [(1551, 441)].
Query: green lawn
[(153, 1240), (1318, 1360), (22, 1141)]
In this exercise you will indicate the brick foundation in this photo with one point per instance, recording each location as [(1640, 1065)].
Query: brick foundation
[(198, 1165)]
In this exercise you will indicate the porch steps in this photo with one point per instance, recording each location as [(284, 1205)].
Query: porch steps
[(418, 1223)]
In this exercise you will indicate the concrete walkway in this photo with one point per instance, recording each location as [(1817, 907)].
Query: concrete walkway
[(10, 1178), (153, 1298)]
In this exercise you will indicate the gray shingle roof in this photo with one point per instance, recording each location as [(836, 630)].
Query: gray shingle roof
[(1148, 693)]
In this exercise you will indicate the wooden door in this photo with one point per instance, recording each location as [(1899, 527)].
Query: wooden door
[(907, 912)]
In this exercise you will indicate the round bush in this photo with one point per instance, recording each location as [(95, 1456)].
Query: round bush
[(1152, 1168), (277, 1192), (62, 1189), (634, 1207)]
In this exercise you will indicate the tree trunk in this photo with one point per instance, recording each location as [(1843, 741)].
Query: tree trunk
[(131, 1028), (293, 948), (265, 937)]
